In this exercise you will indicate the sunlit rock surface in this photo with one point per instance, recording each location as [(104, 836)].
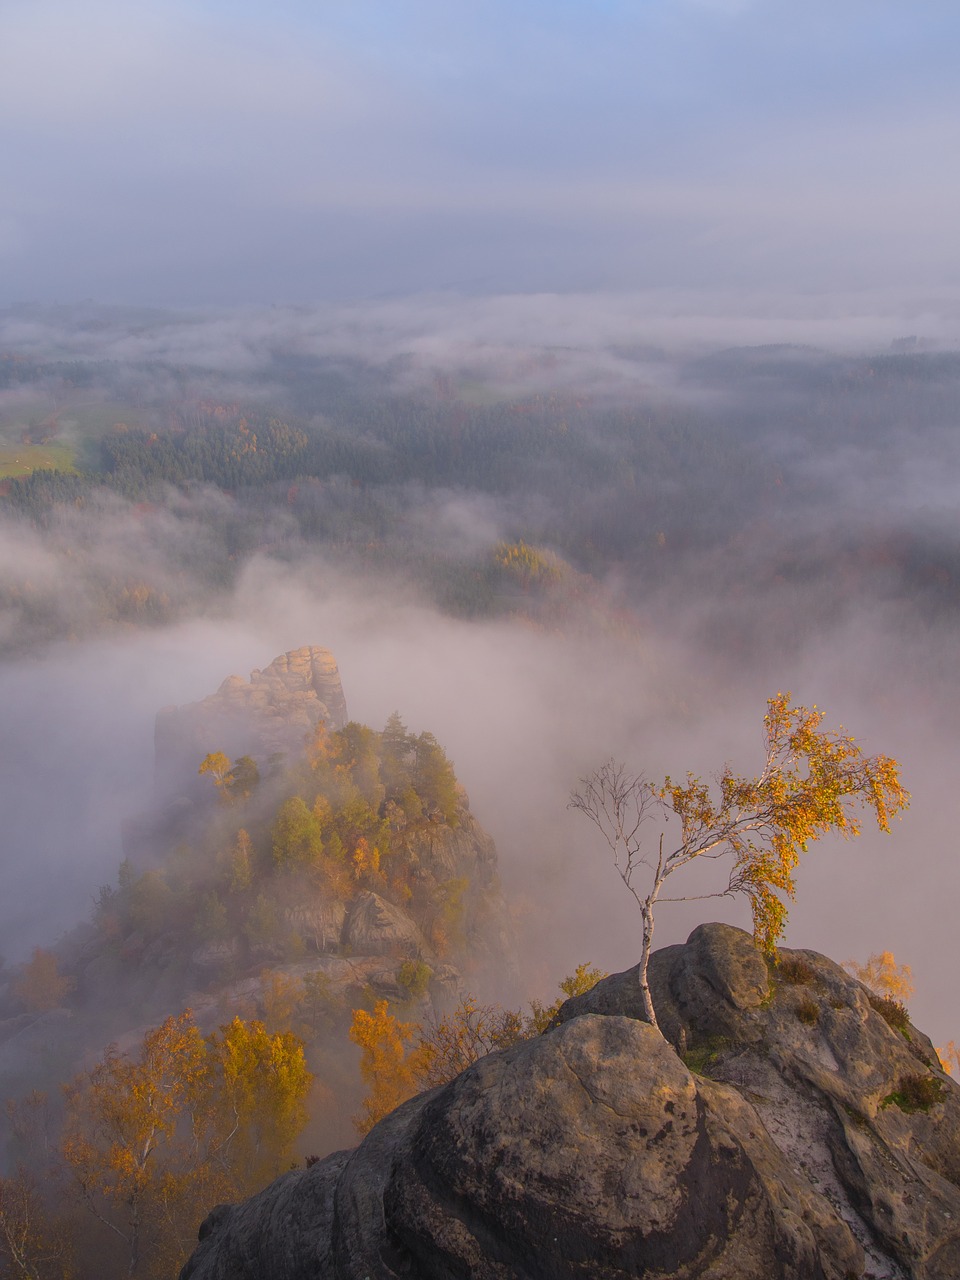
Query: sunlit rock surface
[(776, 1149), (274, 711)]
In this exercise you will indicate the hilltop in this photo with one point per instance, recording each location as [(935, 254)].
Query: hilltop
[(319, 866), (797, 1128)]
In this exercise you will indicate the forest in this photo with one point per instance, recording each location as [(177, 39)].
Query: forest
[(738, 454), (541, 557)]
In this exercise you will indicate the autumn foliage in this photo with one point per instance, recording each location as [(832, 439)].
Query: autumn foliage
[(149, 1141), (399, 1059), (813, 783), (40, 985), (884, 976), (390, 1062)]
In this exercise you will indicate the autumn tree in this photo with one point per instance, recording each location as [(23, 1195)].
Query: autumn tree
[(218, 766), (150, 1141), (123, 1141), (33, 1244), (39, 985), (884, 976), (36, 1240), (398, 1059), (389, 1062), (451, 1042), (813, 782), (233, 781), (255, 1091)]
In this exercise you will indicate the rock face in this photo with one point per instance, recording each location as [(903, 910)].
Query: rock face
[(274, 711), (783, 1148), (375, 927)]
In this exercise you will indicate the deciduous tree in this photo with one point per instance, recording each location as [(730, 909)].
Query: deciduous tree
[(882, 974), (40, 985), (813, 782), (390, 1062), (123, 1139), (33, 1244), (150, 1141), (218, 766)]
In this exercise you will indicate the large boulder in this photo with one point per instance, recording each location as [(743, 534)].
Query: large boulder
[(785, 1141)]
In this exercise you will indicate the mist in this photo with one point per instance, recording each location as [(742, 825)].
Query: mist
[(659, 650)]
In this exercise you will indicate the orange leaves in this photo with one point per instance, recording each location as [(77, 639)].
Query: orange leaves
[(217, 765), (449, 1044), (389, 1064), (257, 1083), (192, 1119), (366, 861), (949, 1055), (400, 1058), (39, 984), (883, 975), (813, 782)]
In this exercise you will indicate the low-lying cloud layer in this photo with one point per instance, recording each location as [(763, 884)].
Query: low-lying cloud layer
[(834, 577)]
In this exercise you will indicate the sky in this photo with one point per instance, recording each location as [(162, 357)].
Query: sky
[(199, 152)]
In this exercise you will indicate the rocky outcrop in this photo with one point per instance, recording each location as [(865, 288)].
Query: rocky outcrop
[(275, 711), (785, 1142), (375, 927)]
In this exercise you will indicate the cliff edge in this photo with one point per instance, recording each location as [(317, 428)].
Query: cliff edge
[(796, 1128)]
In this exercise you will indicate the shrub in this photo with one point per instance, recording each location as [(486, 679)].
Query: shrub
[(39, 984), (894, 1012), (414, 977), (795, 970), (808, 1011), (914, 1093), (703, 1056)]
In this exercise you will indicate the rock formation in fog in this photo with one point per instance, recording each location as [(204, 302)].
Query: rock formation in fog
[(182, 929), (802, 1132), (272, 712)]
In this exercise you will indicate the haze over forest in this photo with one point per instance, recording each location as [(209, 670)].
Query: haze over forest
[(543, 554), (603, 367)]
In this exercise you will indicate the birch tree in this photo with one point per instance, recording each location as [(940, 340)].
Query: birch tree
[(813, 783)]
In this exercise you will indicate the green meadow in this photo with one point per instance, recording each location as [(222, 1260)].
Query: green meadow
[(21, 459)]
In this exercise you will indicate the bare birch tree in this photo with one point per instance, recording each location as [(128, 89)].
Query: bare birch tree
[(813, 782)]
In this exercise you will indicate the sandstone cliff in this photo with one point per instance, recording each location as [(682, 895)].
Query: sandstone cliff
[(792, 1131), (352, 871), (274, 711)]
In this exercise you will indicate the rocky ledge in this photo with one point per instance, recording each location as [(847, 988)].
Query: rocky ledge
[(792, 1129)]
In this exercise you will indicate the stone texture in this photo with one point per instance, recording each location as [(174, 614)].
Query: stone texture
[(375, 927), (819, 1064), (596, 1151), (276, 710)]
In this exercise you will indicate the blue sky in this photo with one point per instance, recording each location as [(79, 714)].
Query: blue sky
[(212, 152)]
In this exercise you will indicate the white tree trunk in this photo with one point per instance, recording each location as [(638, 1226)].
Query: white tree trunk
[(646, 909)]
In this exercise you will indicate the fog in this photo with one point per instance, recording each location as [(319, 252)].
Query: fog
[(842, 592)]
